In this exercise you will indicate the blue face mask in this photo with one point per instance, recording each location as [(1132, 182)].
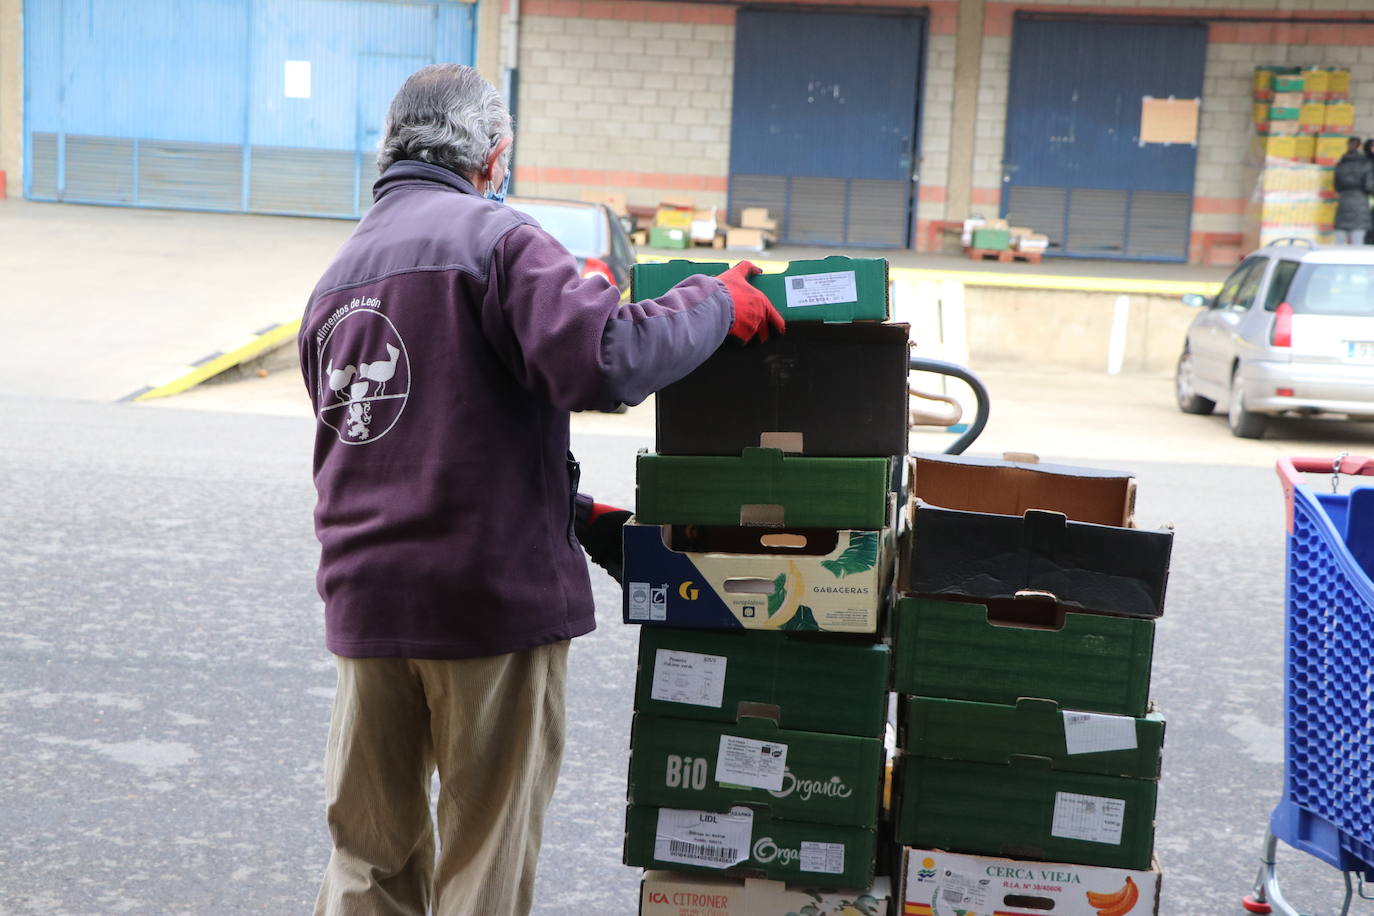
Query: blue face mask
[(499, 195)]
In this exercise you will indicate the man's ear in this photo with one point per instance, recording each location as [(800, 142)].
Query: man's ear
[(495, 155)]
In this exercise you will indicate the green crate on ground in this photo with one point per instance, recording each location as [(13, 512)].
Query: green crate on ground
[(750, 842), (794, 775), (1069, 740), (809, 683), (992, 239), (792, 491), (1025, 811), (1092, 662), (661, 237)]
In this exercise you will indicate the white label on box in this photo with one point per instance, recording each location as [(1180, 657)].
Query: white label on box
[(1093, 733), (822, 858), (960, 892), (637, 599), (647, 602), (1088, 817), (689, 677), (746, 762), (821, 289), (704, 837)]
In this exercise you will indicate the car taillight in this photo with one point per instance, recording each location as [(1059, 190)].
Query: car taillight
[(595, 267), (1282, 334)]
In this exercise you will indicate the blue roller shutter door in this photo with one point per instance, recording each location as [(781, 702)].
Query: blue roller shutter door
[(1074, 167), (824, 121), (185, 103)]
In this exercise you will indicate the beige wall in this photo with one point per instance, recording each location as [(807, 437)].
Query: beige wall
[(12, 95), (639, 107)]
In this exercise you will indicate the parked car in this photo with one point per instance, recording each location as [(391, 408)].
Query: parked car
[(1290, 333), (591, 232)]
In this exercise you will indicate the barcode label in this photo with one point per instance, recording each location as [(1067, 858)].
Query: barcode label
[(696, 852), (1094, 733), (706, 838), (822, 289), (1088, 817), (822, 858)]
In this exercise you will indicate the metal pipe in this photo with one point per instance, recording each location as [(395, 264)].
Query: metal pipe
[(980, 394)]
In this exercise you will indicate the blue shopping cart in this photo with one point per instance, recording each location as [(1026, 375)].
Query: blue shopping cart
[(1327, 808)]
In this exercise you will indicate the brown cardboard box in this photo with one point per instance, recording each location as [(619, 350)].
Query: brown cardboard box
[(751, 239), (757, 218), (1019, 483), (956, 882), (666, 893)]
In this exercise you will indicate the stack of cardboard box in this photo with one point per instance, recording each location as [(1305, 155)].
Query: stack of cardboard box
[(755, 232), (672, 226), (1029, 752), (1304, 120), (759, 567)]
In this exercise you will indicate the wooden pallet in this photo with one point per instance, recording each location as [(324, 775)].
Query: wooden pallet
[(1005, 256)]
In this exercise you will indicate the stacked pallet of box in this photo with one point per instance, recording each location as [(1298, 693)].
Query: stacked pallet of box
[(1304, 119), (759, 567), (1028, 748)]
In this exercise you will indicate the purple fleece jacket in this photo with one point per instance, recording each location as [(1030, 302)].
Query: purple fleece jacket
[(443, 349)]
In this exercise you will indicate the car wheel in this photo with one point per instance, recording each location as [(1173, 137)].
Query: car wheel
[(1189, 401), (1243, 423)]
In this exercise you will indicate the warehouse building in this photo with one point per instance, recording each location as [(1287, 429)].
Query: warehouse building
[(881, 124)]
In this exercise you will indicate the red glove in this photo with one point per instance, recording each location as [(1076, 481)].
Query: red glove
[(754, 314)]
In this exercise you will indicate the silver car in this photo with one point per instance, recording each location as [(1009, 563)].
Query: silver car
[(1291, 332)]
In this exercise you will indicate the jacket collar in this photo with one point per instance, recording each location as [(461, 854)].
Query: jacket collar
[(409, 173)]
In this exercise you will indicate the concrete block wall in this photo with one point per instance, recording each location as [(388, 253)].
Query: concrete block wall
[(1234, 50), (936, 127), (11, 96), (635, 97), (629, 97), (1233, 53)]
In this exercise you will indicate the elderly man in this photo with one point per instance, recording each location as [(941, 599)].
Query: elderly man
[(443, 349)]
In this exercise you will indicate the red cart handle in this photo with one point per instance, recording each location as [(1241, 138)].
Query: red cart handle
[(1290, 468)]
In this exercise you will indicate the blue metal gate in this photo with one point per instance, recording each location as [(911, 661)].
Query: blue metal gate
[(824, 130), (1074, 166), (267, 106)]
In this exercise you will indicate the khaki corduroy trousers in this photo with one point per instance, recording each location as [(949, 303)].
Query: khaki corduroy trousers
[(494, 728)]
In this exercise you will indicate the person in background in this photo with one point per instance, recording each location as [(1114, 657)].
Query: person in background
[(1354, 184), (443, 350), (1369, 154)]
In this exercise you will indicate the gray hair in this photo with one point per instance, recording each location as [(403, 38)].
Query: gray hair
[(448, 116)]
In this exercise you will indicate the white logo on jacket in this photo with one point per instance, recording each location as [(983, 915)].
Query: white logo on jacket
[(364, 375)]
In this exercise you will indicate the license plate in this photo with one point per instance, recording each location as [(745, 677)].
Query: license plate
[(1361, 351)]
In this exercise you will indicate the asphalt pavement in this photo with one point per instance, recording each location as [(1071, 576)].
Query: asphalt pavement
[(165, 692)]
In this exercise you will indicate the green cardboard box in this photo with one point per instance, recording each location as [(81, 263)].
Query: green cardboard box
[(992, 239), (750, 842), (729, 577), (714, 766), (833, 289), (1088, 662), (1025, 811), (662, 237), (762, 487), (1071, 741), (805, 682)]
